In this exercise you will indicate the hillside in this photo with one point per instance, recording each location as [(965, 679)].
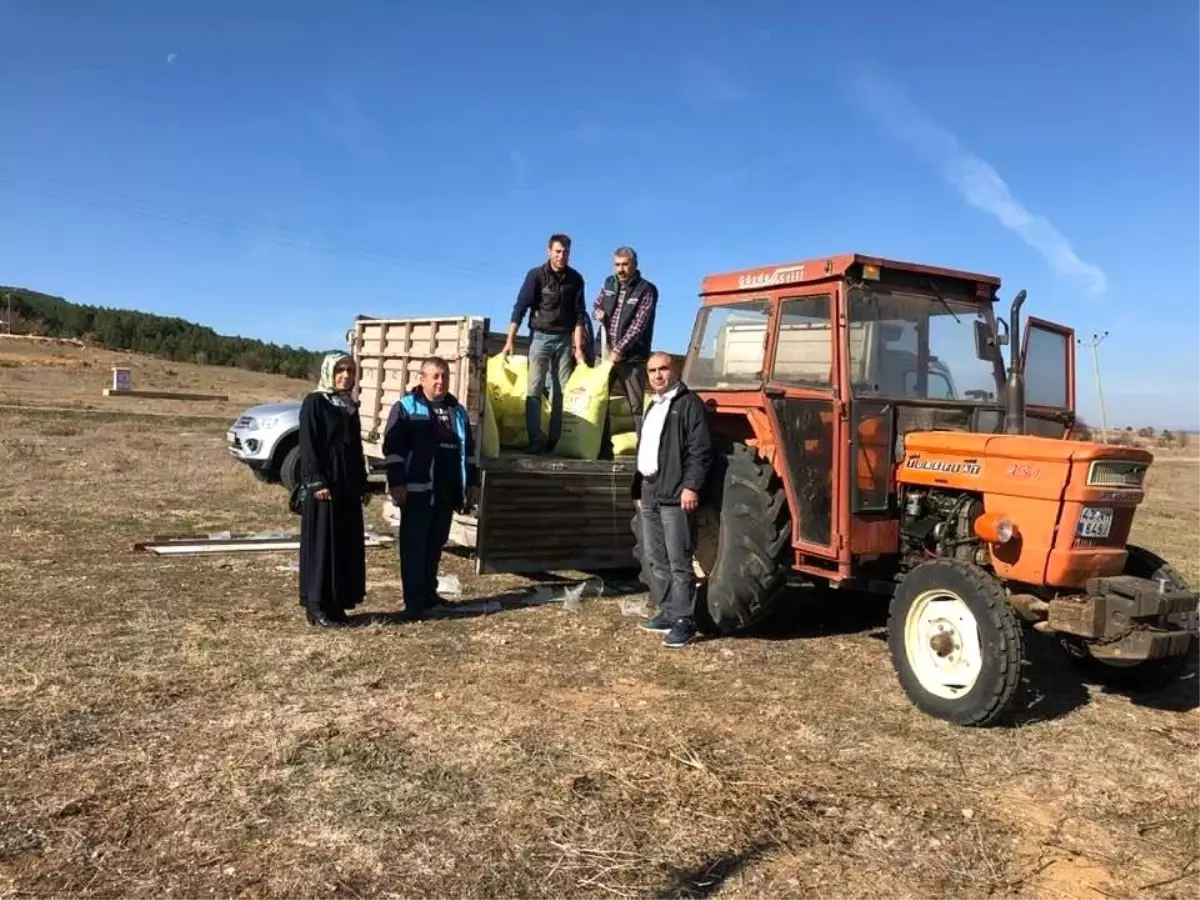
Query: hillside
[(42, 373), (167, 337)]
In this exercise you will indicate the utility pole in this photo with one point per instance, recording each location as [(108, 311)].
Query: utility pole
[(1094, 343)]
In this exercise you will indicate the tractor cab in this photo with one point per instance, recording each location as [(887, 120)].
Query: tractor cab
[(847, 355)]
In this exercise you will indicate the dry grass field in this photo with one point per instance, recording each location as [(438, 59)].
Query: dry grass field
[(61, 374), (171, 727)]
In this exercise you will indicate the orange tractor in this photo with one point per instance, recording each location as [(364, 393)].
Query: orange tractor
[(869, 436)]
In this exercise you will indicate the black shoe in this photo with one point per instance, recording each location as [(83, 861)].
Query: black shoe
[(660, 624), (320, 620), (682, 632)]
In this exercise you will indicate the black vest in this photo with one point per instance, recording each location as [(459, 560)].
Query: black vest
[(638, 291), (557, 300)]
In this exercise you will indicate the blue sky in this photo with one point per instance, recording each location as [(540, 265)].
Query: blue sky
[(273, 168)]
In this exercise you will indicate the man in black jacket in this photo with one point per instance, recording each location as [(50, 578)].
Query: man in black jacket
[(552, 296), (429, 449), (673, 458), (625, 309)]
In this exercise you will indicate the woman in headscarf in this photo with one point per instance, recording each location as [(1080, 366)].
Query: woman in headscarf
[(334, 475)]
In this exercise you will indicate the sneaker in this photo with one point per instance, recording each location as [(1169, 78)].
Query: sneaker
[(681, 633), (660, 624)]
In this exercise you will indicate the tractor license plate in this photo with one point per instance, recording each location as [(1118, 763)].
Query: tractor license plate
[(1094, 523)]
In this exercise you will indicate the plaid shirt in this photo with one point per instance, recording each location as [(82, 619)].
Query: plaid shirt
[(619, 342)]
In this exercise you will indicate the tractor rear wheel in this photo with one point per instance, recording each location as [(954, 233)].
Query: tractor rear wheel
[(743, 543), (1150, 674), (955, 642)]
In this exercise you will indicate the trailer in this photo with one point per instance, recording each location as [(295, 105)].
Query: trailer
[(535, 513)]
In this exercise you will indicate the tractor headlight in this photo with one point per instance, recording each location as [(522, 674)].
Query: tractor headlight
[(995, 528)]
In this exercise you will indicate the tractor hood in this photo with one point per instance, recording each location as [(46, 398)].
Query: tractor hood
[(1018, 448), (1072, 502), (1023, 465)]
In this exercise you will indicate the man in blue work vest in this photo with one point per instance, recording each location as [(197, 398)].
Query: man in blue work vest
[(428, 449)]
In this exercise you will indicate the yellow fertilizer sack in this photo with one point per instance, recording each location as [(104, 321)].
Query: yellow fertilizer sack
[(585, 405), (620, 414), (624, 444), (489, 446), (506, 380)]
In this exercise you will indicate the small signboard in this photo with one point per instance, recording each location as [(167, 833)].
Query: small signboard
[(122, 378)]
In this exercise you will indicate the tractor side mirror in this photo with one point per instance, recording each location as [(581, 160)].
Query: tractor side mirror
[(985, 346)]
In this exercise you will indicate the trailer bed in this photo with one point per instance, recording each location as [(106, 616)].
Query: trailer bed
[(539, 514), (536, 513)]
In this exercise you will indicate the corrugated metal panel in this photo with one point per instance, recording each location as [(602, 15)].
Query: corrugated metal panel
[(541, 514)]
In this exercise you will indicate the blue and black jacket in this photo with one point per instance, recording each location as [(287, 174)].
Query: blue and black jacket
[(410, 448)]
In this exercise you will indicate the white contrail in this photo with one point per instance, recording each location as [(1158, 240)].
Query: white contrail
[(979, 183)]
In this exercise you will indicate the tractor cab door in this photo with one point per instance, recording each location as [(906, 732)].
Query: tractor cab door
[(1048, 350), (801, 383)]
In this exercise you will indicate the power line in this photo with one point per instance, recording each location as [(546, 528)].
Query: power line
[(1094, 343)]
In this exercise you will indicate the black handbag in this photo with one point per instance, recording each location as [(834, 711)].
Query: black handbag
[(298, 497)]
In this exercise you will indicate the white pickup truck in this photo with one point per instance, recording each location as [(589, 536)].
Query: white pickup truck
[(267, 439)]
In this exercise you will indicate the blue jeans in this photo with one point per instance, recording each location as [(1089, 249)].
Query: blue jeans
[(668, 544), (551, 362)]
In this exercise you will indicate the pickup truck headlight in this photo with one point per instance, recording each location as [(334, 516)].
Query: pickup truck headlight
[(266, 423)]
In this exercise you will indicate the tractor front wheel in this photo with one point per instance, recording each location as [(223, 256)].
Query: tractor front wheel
[(955, 642)]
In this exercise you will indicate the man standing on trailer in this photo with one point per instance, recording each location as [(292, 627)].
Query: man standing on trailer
[(673, 458), (428, 448), (625, 309), (553, 296)]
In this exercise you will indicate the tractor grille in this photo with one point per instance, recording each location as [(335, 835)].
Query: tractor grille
[(1116, 473)]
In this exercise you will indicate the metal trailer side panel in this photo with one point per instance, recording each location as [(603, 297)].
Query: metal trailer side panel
[(389, 353), (547, 515)]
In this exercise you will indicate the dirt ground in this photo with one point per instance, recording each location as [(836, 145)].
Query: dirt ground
[(171, 727)]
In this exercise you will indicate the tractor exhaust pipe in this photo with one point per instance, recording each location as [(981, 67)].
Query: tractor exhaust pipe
[(1014, 405)]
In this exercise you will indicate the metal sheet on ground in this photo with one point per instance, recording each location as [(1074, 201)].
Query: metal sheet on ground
[(243, 542)]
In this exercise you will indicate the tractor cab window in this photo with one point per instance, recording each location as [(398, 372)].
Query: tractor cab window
[(728, 347), (804, 346), (916, 346), (1046, 368), (940, 387)]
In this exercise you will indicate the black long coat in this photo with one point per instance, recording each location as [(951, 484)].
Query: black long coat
[(332, 558)]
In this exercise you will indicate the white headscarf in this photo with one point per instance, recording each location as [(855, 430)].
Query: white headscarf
[(341, 399)]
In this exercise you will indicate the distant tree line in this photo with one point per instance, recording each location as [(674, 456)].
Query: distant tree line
[(1128, 437), (164, 336)]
